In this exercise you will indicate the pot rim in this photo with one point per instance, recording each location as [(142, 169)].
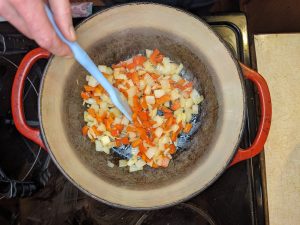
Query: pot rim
[(222, 170)]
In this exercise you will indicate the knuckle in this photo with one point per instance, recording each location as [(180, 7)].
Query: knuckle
[(45, 42)]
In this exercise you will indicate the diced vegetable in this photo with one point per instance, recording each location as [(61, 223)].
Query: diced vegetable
[(162, 102)]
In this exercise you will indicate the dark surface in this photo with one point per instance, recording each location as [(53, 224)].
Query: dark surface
[(234, 199)]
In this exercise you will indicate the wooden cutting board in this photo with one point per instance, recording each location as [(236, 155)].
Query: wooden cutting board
[(278, 60)]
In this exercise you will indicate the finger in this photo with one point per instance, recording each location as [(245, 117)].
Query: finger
[(11, 15), (62, 14), (40, 27)]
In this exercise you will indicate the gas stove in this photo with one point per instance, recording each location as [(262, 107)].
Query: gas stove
[(33, 191)]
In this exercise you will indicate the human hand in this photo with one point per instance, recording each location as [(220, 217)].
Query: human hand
[(30, 18)]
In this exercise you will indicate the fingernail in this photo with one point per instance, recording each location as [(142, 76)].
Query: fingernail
[(72, 33)]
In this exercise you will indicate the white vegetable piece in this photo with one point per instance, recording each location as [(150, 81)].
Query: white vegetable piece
[(134, 151), (179, 68), (105, 140), (110, 164), (158, 132), (122, 163), (125, 121), (140, 163), (159, 93), (99, 146), (197, 98), (175, 94), (148, 53), (150, 99), (151, 152), (134, 168), (176, 77), (101, 127), (92, 81), (105, 69), (106, 150), (159, 121), (189, 103), (147, 90), (195, 109)]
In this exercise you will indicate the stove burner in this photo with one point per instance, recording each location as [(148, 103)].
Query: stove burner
[(177, 215)]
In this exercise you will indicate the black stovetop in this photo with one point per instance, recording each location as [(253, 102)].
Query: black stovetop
[(236, 198)]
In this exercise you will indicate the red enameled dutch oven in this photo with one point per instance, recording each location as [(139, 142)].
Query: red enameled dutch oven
[(111, 36)]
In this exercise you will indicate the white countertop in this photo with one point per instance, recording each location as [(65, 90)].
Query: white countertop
[(278, 60)]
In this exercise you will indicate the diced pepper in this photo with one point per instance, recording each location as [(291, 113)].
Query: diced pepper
[(88, 88), (144, 103), (139, 60), (114, 132), (142, 148), (187, 128), (143, 116), (97, 132), (84, 95), (166, 110), (119, 127), (136, 143), (168, 115), (172, 149), (154, 76), (124, 140), (168, 124), (92, 112), (163, 99), (156, 57), (175, 105), (85, 130), (131, 129)]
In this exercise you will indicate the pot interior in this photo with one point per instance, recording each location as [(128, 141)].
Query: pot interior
[(121, 46), (114, 35)]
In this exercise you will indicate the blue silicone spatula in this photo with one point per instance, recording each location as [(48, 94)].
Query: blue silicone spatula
[(82, 57)]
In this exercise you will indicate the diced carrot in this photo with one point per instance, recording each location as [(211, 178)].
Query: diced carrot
[(99, 89), (119, 127), (118, 143), (172, 149), (97, 99), (139, 60), (97, 132), (130, 66), (136, 143), (165, 109), (155, 166), (85, 130), (188, 85), (92, 112), (154, 55), (154, 76), (135, 78), (168, 124), (144, 103), (88, 88), (168, 115), (165, 98), (174, 136), (175, 105), (142, 148), (84, 95), (187, 128), (107, 122), (143, 116), (115, 132), (124, 140), (131, 129)]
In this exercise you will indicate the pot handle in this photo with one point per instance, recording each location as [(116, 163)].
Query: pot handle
[(26, 64), (265, 119)]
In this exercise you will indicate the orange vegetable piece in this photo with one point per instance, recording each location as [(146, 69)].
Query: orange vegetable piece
[(165, 98), (154, 165), (188, 85), (144, 103), (166, 110), (131, 129), (136, 104), (168, 124), (97, 99), (139, 60), (143, 116), (154, 76), (130, 66), (108, 123), (88, 88), (124, 140), (84, 95), (92, 112), (85, 130), (156, 57), (142, 148), (135, 78), (98, 89), (114, 132), (175, 105), (118, 143), (172, 149), (136, 143), (119, 127), (187, 128), (97, 132), (168, 115)]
